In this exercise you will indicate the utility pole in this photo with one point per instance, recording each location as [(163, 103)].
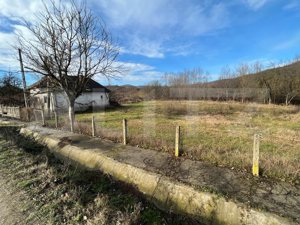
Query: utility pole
[(23, 77), (48, 98)]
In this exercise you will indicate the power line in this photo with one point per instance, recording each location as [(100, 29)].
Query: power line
[(9, 71), (15, 71)]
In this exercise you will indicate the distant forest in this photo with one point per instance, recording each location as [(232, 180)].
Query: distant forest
[(245, 83)]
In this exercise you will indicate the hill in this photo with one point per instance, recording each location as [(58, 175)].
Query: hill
[(282, 84), (276, 85)]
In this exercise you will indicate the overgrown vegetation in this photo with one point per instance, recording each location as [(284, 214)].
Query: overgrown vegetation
[(245, 83), (58, 193), (219, 133)]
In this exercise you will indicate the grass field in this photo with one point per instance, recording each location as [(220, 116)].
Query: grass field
[(217, 132)]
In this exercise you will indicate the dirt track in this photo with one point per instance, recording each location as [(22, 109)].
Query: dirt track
[(10, 207)]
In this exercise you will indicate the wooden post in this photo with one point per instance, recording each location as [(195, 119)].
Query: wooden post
[(43, 117), (255, 166), (23, 77), (56, 119), (19, 112), (177, 141), (125, 131), (48, 98), (93, 127)]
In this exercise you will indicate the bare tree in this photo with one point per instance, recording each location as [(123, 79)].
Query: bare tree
[(10, 90), (257, 67), (69, 45), (10, 79), (226, 76), (289, 86), (241, 71), (186, 77)]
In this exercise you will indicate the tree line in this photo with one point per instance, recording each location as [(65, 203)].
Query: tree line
[(10, 90), (276, 83)]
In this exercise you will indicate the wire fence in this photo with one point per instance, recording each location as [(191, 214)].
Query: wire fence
[(225, 146)]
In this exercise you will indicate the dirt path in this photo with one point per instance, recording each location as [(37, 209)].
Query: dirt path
[(10, 207)]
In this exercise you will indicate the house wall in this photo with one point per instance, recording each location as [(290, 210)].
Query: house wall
[(59, 99)]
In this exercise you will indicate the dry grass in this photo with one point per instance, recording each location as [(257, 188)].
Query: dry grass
[(58, 193), (216, 132)]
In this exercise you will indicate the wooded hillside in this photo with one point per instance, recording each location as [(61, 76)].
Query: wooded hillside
[(280, 85)]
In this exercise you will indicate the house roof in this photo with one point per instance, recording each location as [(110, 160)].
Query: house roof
[(91, 86)]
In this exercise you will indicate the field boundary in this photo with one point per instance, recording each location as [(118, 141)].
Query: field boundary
[(164, 191)]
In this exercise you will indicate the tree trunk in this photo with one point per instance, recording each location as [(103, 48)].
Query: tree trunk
[(270, 100), (287, 100), (227, 95), (71, 113)]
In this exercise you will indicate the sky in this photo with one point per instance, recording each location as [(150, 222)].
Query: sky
[(160, 36)]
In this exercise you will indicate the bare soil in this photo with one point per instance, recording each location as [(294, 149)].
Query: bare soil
[(10, 210)]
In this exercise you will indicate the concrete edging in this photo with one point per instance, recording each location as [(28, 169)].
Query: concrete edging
[(163, 191)]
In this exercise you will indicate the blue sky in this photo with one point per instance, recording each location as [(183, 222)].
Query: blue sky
[(161, 36)]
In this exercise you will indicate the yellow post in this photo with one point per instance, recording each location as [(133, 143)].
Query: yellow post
[(177, 141), (125, 131), (255, 166), (93, 127)]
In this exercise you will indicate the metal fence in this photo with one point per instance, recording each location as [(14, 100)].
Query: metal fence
[(8, 111)]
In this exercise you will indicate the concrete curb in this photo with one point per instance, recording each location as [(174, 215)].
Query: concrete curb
[(163, 191)]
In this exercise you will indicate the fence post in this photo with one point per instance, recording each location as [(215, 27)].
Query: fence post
[(93, 127), (56, 119), (43, 117), (177, 141), (255, 166), (15, 112), (125, 131), (19, 112)]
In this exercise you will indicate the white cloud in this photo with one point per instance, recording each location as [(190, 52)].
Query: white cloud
[(8, 54), (12, 13), (18, 9), (144, 47), (293, 5), (163, 15), (148, 26), (136, 73), (256, 4), (23, 9), (199, 20)]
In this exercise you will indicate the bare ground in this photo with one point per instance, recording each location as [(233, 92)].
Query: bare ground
[(12, 206)]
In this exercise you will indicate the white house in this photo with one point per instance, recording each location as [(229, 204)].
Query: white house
[(94, 96)]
